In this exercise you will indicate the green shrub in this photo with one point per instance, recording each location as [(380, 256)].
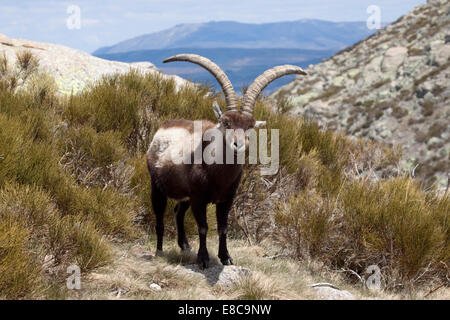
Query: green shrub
[(20, 277), (31, 228), (73, 176), (393, 224)]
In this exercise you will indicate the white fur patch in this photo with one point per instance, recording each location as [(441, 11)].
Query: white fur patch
[(171, 146)]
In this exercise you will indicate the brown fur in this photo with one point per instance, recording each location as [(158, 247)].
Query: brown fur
[(201, 184)]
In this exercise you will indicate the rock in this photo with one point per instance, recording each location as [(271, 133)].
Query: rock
[(393, 59), (49, 261), (120, 291), (303, 99), (72, 69), (327, 291), (441, 54), (339, 81), (434, 140), (353, 73), (224, 276), (155, 287), (372, 71), (390, 83)]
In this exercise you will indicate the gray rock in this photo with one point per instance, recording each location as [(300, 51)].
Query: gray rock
[(224, 276), (72, 69), (327, 291), (398, 70), (393, 59), (155, 287)]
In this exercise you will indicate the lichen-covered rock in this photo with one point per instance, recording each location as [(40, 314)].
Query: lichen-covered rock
[(393, 88), (393, 59)]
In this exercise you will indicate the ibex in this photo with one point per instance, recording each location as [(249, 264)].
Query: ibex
[(196, 185)]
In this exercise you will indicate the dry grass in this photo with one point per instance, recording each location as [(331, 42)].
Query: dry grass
[(74, 184), (392, 224), (135, 268)]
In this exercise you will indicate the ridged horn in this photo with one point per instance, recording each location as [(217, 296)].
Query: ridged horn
[(263, 81), (216, 71)]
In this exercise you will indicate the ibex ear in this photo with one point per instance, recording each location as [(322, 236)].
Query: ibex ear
[(260, 124), (217, 110)]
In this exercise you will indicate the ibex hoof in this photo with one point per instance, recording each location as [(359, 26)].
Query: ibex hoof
[(203, 261), (186, 247), (227, 262)]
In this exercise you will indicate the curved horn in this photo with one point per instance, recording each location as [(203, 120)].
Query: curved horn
[(216, 71), (263, 81)]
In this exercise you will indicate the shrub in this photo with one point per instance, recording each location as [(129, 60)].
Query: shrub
[(393, 224), (31, 228), (73, 177)]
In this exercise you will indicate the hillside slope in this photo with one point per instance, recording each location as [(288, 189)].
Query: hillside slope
[(392, 87), (302, 34), (75, 189), (72, 69)]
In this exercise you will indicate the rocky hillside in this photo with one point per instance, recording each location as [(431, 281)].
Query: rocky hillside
[(392, 87), (72, 69)]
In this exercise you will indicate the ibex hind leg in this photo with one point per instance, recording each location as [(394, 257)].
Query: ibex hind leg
[(180, 211), (159, 202)]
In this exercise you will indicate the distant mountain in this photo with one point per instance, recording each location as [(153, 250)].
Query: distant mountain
[(243, 50), (241, 65), (303, 34)]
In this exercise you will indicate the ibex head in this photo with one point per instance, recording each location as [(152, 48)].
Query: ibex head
[(233, 118)]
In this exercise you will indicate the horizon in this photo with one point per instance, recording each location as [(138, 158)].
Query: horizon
[(105, 23)]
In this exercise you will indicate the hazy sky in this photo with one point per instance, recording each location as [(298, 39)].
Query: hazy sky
[(105, 22)]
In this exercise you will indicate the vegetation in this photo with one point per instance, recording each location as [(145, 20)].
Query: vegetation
[(73, 180)]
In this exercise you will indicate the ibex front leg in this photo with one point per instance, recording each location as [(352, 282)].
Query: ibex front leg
[(222, 210), (199, 210)]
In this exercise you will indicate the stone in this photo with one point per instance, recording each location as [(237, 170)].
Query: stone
[(372, 70), (393, 59), (224, 276), (74, 70), (441, 54), (326, 291), (303, 99), (434, 140), (155, 287), (353, 73)]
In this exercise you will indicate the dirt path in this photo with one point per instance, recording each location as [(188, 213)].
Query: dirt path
[(137, 273)]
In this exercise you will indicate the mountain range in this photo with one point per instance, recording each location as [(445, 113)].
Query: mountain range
[(306, 34), (244, 50)]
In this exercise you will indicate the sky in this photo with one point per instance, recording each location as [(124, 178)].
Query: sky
[(106, 22)]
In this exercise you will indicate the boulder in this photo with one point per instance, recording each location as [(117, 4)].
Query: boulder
[(327, 291), (393, 59), (224, 276)]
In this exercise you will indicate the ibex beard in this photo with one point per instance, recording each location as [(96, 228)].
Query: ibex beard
[(201, 162)]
